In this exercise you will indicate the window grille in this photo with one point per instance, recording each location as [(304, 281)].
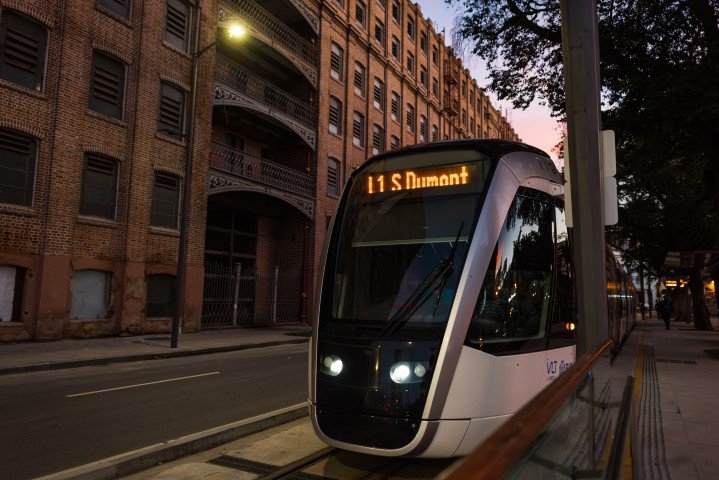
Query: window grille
[(165, 199), (379, 31), (377, 139), (335, 120), (336, 62), (395, 107), (378, 96), (18, 153), (358, 130), (360, 11), (118, 7), (172, 106), (99, 187), (177, 23), (359, 79), (410, 117), (333, 177)]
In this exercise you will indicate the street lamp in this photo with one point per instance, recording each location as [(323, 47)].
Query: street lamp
[(233, 31)]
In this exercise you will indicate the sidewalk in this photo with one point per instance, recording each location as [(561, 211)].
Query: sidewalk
[(69, 353), (687, 365)]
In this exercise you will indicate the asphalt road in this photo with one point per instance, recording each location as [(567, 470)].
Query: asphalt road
[(54, 420)]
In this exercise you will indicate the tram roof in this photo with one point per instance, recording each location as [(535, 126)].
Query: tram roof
[(493, 148)]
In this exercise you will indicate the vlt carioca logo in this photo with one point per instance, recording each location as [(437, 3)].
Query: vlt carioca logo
[(556, 368)]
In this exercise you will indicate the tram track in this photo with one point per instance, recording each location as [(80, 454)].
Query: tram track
[(271, 458)]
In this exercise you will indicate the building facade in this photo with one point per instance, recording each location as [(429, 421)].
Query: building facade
[(94, 108)]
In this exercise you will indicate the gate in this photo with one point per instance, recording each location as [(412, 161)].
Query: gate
[(238, 297)]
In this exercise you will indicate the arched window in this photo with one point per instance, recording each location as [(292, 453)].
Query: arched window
[(23, 48)]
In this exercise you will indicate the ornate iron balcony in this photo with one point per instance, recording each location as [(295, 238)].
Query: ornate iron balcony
[(243, 81), (260, 170), (266, 24)]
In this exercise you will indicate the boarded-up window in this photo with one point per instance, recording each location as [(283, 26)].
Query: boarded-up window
[(107, 90), (90, 294), (165, 197), (11, 285), (160, 295), (23, 48), (17, 167), (99, 187)]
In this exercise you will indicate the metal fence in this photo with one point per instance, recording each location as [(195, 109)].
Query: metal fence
[(234, 296)]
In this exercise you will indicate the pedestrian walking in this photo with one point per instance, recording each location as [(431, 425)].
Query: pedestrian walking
[(665, 309)]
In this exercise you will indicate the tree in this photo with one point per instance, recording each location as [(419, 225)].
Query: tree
[(659, 65)]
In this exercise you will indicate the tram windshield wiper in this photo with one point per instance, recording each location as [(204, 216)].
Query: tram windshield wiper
[(437, 276)]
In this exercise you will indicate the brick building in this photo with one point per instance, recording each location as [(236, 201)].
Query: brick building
[(94, 100)]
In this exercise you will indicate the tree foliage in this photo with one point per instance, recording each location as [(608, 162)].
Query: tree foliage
[(659, 64)]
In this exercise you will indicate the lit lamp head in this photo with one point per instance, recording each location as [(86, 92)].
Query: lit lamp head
[(236, 31)]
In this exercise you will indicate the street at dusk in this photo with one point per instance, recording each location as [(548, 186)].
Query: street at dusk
[(359, 239)]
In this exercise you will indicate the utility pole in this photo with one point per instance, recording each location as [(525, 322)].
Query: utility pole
[(580, 52)]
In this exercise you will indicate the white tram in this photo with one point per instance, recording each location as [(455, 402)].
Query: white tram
[(446, 298)]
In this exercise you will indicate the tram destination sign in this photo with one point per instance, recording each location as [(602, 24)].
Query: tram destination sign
[(413, 179)]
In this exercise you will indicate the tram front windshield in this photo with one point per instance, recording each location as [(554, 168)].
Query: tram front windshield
[(402, 240)]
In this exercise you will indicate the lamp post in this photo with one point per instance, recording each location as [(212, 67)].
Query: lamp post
[(234, 31)]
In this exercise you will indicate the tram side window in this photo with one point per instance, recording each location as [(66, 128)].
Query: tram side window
[(513, 307), (564, 316)]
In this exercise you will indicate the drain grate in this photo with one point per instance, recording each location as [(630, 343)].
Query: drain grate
[(674, 360), (259, 468), (245, 465)]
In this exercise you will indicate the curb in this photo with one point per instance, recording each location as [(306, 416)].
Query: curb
[(37, 367), (144, 458)]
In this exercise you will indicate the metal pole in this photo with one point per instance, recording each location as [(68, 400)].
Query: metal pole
[(236, 298), (641, 290), (274, 294), (580, 51), (186, 188)]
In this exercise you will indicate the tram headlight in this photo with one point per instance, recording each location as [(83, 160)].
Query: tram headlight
[(408, 372), (331, 365)]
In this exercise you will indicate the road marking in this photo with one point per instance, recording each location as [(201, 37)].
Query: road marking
[(140, 385)]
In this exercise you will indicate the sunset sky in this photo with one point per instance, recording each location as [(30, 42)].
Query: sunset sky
[(534, 126)]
